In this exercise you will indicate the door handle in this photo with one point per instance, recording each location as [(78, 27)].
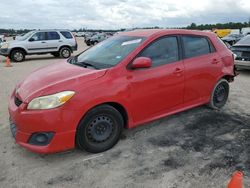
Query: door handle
[(43, 42), (178, 71), (60, 41), (215, 61)]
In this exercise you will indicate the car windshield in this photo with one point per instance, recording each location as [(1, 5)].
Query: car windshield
[(109, 52), (244, 41), (26, 36)]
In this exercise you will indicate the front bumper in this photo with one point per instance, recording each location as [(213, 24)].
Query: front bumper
[(24, 123), (4, 51), (242, 64)]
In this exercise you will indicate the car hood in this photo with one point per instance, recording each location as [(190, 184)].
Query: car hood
[(14, 42), (54, 78)]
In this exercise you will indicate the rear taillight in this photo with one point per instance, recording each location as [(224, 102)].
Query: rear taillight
[(75, 38)]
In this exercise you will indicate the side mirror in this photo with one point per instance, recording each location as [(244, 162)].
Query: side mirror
[(141, 62), (31, 39)]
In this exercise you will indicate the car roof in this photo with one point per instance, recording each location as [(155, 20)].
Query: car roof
[(48, 30), (153, 32)]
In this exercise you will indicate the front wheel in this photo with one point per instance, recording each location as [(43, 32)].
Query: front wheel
[(100, 129), (220, 94), (17, 55)]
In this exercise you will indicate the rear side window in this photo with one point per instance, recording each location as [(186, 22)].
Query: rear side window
[(66, 34), (53, 35), (195, 46), (162, 51)]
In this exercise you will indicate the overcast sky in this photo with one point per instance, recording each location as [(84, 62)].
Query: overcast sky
[(115, 14)]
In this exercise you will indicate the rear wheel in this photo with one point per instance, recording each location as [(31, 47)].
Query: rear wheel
[(100, 129), (17, 55), (65, 52), (220, 94)]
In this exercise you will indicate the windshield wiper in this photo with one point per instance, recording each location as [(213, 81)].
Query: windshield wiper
[(85, 64)]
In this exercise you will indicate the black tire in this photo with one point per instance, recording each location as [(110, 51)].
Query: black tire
[(56, 54), (65, 52), (100, 129), (17, 55), (220, 94)]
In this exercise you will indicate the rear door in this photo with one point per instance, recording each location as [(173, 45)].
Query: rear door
[(36, 43), (53, 41), (156, 90), (202, 67)]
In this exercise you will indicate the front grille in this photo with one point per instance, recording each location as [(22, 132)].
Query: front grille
[(245, 54), (18, 102)]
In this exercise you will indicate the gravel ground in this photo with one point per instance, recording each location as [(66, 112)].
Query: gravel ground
[(197, 148)]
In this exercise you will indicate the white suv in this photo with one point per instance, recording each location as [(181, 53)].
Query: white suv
[(60, 43)]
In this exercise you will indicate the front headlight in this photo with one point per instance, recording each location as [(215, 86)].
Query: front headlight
[(5, 45), (50, 101)]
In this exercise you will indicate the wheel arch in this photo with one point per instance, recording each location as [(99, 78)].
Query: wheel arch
[(227, 77), (18, 48), (118, 106), (66, 45)]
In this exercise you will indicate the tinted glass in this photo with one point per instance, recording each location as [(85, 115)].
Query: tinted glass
[(66, 34), (111, 51), (39, 36), (195, 46), (53, 36), (162, 51)]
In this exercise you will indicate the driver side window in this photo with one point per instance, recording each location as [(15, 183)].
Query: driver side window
[(39, 36), (162, 51)]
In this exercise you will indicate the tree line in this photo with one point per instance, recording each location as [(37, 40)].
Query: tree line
[(229, 25)]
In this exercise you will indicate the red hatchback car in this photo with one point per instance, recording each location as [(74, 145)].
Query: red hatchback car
[(127, 80)]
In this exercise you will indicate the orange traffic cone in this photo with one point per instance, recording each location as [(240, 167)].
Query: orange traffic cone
[(236, 181), (7, 64)]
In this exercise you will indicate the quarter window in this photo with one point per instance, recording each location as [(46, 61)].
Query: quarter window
[(162, 51), (53, 36), (195, 46), (66, 34)]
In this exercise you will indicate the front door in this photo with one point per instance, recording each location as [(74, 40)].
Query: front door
[(37, 43)]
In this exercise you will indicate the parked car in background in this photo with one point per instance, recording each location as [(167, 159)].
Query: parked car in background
[(245, 30), (80, 34), (88, 35), (96, 39), (231, 39), (60, 43), (242, 50), (125, 81)]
